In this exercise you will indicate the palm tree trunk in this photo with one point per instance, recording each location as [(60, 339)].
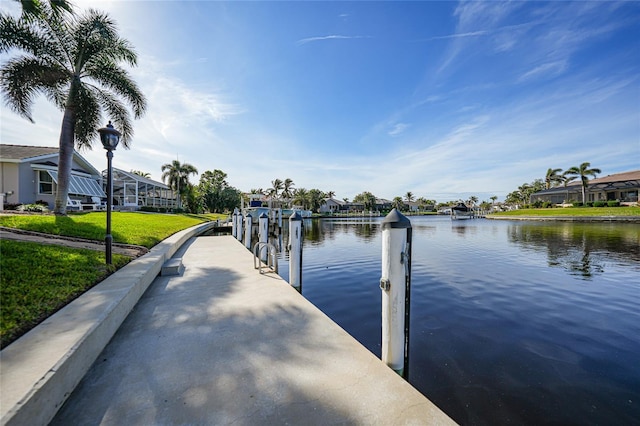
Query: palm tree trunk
[(65, 160)]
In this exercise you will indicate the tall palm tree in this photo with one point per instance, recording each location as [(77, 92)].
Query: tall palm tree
[(553, 178), (583, 172), (473, 200), (76, 63), (176, 175), (331, 194), (301, 197)]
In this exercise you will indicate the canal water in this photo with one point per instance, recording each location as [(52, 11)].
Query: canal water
[(511, 322)]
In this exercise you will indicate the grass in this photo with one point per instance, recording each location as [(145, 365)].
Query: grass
[(37, 280), (143, 229), (574, 211)]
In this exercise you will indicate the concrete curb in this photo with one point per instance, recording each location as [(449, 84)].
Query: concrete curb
[(41, 369)]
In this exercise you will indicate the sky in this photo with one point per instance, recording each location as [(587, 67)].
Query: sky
[(442, 99)]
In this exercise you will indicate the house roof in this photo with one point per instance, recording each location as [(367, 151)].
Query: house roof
[(132, 176), (23, 152), (623, 180)]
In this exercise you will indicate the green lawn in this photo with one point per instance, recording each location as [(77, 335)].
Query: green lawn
[(574, 211), (37, 280), (143, 229)]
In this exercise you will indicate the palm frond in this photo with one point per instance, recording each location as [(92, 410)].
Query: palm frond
[(21, 79), (116, 79)]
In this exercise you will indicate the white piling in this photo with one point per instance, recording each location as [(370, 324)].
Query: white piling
[(295, 251), (263, 234), (280, 218), (247, 232), (395, 284), (234, 222), (240, 225)]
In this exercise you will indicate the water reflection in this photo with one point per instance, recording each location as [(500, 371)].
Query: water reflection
[(583, 250)]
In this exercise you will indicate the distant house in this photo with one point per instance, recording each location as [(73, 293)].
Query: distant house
[(623, 187), (333, 206), (30, 173)]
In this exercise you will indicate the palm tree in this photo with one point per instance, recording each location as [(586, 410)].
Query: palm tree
[(33, 9), (177, 177), (397, 203), (553, 178), (276, 186), (76, 63), (583, 172), (473, 200), (331, 194), (409, 196), (141, 173), (493, 199), (301, 197), (287, 189)]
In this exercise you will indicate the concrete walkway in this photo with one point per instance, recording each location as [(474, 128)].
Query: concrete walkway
[(222, 344)]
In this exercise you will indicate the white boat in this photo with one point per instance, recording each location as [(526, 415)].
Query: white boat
[(461, 211)]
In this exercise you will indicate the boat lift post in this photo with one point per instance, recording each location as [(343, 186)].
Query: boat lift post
[(263, 234), (395, 284), (240, 232), (234, 222), (247, 232), (295, 251)]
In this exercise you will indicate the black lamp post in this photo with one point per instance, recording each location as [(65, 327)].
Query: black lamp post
[(109, 138)]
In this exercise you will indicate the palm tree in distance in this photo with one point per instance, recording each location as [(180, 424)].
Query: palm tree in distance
[(287, 189), (176, 175), (276, 186), (76, 63), (553, 178), (331, 194), (409, 196), (141, 173), (583, 172)]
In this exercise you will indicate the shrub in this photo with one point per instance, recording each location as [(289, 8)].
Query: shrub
[(39, 208), (599, 203), (13, 206), (589, 203), (576, 204), (547, 205), (148, 209), (42, 203), (613, 203), (537, 204)]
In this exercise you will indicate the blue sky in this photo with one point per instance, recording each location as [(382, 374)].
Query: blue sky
[(443, 99)]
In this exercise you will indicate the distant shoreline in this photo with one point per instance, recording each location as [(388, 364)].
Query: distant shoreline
[(624, 219)]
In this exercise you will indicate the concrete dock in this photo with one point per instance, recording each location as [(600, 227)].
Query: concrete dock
[(221, 344)]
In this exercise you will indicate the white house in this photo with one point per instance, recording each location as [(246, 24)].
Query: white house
[(30, 173)]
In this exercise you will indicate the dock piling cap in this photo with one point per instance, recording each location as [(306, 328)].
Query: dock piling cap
[(395, 219), (295, 217), (264, 215)]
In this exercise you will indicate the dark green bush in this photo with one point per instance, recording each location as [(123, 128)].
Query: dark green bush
[(589, 203), (613, 203), (599, 203), (547, 205), (576, 204), (148, 209)]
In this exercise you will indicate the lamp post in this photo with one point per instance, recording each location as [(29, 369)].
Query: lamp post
[(109, 138)]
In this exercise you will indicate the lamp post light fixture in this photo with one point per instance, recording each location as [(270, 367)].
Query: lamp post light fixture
[(109, 138)]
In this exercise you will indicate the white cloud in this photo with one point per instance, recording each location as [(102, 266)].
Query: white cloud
[(328, 37), (398, 129)]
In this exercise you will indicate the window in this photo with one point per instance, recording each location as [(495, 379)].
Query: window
[(45, 182)]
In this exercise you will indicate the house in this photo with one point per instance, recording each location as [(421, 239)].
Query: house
[(30, 173), (622, 187), (333, 206)]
